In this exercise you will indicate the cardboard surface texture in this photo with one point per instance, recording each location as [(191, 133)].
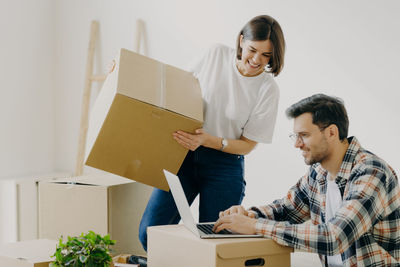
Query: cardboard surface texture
[(141, 104), (32, 253), (103, 204), (174, 245), (18, 207)]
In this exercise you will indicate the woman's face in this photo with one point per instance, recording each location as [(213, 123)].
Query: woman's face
[(255, 56)]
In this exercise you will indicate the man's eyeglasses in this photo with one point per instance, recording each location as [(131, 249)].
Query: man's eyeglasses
[(295, 137), (300, 136)]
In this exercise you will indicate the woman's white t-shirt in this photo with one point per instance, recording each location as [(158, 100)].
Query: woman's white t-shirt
[(235, 105)]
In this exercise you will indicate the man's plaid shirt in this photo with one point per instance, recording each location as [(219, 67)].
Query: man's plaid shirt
[(366, 228)]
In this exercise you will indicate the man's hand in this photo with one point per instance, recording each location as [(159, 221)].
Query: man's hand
[(191, 141), (238, 223), (236, 210)]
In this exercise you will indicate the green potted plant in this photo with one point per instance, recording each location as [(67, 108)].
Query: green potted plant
[(86, 250)]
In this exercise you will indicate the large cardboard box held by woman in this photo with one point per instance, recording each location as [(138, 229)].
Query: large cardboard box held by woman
[(141, 104)]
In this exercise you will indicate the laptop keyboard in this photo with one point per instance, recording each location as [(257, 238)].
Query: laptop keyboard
[(207, 229)]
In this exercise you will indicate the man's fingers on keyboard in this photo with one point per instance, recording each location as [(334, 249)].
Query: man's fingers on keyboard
[(221, 224), (251, 214), (217, 223), (221, 227)]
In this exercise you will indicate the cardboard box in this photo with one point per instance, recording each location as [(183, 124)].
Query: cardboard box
[(103, 204), (18, 207), (141, 103), (32, 253), (174, 245)]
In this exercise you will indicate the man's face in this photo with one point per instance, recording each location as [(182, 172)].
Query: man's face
[(310, 140)]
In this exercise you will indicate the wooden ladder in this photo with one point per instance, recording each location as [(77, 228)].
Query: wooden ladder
[(89, 79)]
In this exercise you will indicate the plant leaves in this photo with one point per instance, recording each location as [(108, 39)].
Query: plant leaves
[(85, 250), (83, 258)]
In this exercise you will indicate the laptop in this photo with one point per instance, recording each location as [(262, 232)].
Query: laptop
[(202, 230)]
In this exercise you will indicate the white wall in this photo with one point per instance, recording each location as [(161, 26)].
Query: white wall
[(344, 48), (27, 87)]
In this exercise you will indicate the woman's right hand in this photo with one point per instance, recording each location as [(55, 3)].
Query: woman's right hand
[(191, 141)]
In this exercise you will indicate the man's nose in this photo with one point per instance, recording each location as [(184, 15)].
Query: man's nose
[(298, 143)]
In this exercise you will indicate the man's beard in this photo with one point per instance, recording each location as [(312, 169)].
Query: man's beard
[(318, 156)]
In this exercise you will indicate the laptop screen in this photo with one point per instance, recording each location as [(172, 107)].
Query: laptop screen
[(181, 201)]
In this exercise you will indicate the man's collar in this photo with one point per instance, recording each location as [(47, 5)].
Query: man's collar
[(347, 163), (348, 159)]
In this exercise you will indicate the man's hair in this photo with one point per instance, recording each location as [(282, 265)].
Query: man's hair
[(325, 110), (263, 28)]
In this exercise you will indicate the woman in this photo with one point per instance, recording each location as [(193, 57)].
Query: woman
[(240, 106)]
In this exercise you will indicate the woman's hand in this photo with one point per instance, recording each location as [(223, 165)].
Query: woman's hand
[(191, 141)]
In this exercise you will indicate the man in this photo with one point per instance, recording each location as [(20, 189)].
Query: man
[(346, 207)]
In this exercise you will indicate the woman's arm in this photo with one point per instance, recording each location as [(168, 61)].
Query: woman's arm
[(240, 146)]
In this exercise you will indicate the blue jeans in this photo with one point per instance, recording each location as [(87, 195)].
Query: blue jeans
[(217, 176)]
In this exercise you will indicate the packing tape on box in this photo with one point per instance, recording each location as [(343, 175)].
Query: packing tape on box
[(162, 101)]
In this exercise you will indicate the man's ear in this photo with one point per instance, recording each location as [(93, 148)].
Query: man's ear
[(333, 131)]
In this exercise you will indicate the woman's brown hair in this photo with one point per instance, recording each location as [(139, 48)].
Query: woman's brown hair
[(263, 28)]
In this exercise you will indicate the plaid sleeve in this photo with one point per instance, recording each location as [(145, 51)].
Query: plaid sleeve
[(294, 207), (365, 203)]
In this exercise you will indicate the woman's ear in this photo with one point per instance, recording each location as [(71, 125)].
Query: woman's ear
[(241, 41)]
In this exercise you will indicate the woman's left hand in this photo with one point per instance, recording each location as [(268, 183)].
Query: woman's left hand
[(191, 141)]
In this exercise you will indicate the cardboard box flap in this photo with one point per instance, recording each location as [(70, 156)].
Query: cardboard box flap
[(187, 102), (92, 180), (73, 183), (101, 106), (159, 84), (240, 249), (33, 251)]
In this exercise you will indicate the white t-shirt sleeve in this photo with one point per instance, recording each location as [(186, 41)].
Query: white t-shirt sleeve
[(261, 123)]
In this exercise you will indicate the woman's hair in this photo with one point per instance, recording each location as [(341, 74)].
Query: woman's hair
[(325, 110), (263, 28)]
